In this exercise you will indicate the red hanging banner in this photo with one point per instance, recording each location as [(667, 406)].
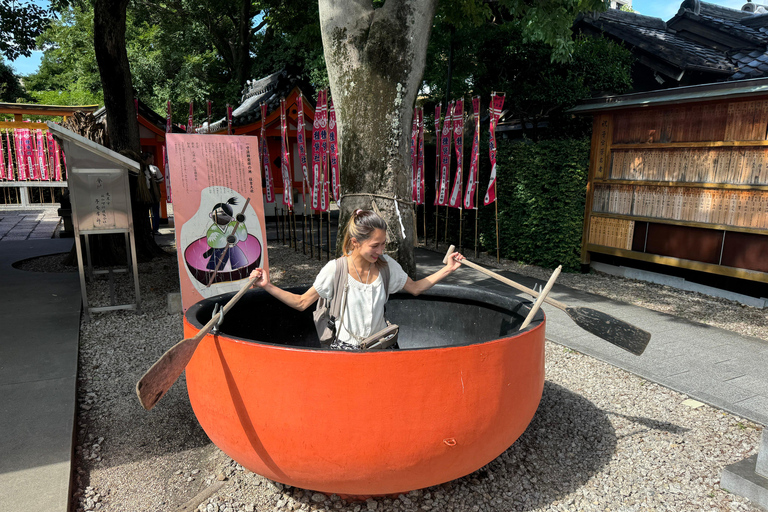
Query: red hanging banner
[(445, 157), (168, 129), (319, 187), (414, 150), (190, 119), (28, 155), (266, 161), (53, 157), (474, 159), (301, 137), (3, 175), (418, 171), (229, 119), (19, 151), (324, 147), (42, 160), (333, 152), (458, 143), (285, 158), (497, 102), (11, 176), (437, 153)]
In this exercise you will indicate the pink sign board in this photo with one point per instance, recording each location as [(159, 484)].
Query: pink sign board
[(215, 179)]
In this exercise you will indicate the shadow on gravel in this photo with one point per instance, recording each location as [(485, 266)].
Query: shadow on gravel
[(567, 442)]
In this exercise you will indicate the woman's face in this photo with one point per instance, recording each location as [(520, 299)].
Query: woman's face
[(372, 248)]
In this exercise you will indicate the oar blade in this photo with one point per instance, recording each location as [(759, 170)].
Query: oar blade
[(611, 329), (161, 376)]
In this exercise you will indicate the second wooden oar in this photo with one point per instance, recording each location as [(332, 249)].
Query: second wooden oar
[(618, 332), (161, 376)]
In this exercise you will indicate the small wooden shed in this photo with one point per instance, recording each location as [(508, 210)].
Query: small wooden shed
[(679, 177)]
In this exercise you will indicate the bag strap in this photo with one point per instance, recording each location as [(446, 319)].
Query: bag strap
[(339, 278), (385, 279)]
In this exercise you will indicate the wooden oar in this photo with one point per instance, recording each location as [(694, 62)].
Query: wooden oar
[(161, 376), (607, 327)]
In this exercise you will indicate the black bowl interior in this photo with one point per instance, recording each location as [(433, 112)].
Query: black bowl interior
[(446, 315)]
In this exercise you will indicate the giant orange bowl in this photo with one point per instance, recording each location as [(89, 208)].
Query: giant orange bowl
[(463, 386)]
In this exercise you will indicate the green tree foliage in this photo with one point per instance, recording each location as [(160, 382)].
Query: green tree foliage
[(175, 53), (11, 90), (538, 84), (68, 73), (20, 24)]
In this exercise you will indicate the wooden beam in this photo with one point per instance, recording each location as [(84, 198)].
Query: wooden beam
[(686, 184), (30, 109), (703, 225), (13, 125), (704, 144), (699, 266)]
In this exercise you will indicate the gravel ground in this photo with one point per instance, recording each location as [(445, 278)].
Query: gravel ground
[(602, 439)]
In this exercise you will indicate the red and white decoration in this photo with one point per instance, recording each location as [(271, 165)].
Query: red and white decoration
[(445, 157), (437, 154), (266, 162), (333, 154), (497, 102), (474, 159), (319, 187), (285, 158), (418, 169), (458, 143)]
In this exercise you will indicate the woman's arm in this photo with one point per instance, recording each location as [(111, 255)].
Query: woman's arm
[(300, 302), (417, 287)]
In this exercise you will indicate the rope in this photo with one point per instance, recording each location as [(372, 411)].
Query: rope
[(403, 201)]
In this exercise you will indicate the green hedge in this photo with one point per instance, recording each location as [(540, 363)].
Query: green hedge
[(541, 193)]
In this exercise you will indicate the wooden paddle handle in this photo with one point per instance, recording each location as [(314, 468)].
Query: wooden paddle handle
[(503, 279), (542, 296)]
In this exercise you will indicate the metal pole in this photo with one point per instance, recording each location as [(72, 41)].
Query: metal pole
[(461, 226), (415, 226)]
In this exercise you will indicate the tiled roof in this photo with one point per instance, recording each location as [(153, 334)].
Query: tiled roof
[(651, 34), (269, 90), (686, 48)]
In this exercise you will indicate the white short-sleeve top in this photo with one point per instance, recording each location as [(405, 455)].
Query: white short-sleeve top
[(364, 313)]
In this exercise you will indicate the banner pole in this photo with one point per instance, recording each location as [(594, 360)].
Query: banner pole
[(461, 227), (415, 227), (445, 239), (304, 218), (477, 210), (329, 234), (320, 238), (496, 202), (437, 222)]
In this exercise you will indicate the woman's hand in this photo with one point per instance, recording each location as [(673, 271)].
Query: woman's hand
[(453, 262), (262, 278)]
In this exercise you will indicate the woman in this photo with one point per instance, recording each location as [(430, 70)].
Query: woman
[(363, 245)]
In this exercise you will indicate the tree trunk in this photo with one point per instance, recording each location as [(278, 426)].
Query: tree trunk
[(122, 125), (375, 60)]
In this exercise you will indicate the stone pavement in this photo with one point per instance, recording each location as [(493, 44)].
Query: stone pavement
[(40, 314), (29, 224), (712, 365)]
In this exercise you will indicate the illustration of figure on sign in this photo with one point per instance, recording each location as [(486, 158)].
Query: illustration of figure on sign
[(224, 235), (219, 245)]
